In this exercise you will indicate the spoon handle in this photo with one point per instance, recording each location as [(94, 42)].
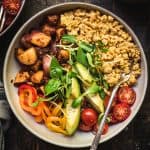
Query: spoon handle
[(100, 129)]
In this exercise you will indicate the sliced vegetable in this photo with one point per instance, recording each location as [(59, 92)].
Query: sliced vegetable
[(121, 111), (73, 114), (90, 59), (84, 73), (127, 95), (96, 102)]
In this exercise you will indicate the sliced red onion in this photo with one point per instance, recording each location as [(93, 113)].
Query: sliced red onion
[(46, 63)]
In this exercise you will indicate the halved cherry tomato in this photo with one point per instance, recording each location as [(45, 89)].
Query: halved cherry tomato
[(106, 100), (105, 128), (84, 127), (121, 111), (126, 95), (12, 6), (89, 116), (113, 120)]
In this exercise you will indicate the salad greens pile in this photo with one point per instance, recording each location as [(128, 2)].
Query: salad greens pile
[(59, 84)]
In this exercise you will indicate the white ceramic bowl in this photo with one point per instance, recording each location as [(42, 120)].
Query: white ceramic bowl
[(80, 139)]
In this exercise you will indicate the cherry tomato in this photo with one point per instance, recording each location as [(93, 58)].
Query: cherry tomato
[(105, 128), (126, 95), (84, 127), (89, 116), (106, 100), (121, 111), (12, 6)]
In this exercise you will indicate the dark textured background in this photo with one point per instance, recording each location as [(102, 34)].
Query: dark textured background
[(137, 135)]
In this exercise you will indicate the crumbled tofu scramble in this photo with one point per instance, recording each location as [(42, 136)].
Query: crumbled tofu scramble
[(123, 56)]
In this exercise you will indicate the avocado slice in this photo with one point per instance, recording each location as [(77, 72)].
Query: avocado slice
[(84, 73), (96, 102), (73, 114)]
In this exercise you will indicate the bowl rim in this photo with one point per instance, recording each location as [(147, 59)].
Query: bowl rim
[(14, 20), (129, 30)]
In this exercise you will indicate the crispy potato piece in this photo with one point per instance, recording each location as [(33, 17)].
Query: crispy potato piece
[(40, 39), (53, 19), (59, 33), (63, 56), (21, 77), (27, 57), (37, 66), (37, 77), (48, 30)]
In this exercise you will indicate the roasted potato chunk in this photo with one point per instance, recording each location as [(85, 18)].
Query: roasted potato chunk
[(48, 30), (27, 57), (40, 39), (59, 33), (37, 66), (63, 56), (53, 19), (21, 77), (37, 77)]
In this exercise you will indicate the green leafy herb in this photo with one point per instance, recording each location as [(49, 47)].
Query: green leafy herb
[(69, 38), (35, 104), (105, 84), (91, 90), (52, 86), (86, 47), (104, 50), (102, 94), (101, 116), (101, 46), (81, 57), (56, 70)]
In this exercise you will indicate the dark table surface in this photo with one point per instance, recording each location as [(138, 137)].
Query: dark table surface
[(137, 135)]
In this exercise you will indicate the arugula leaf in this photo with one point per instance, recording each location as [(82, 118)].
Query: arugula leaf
[(87, 47), (52, 86), (81, 57), (69, 38)]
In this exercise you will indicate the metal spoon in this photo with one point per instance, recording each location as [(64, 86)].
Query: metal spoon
[(97, 137)]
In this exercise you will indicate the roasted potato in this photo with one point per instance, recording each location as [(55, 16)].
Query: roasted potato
[(37, 77), (37, 66), (21, 77), (63, 56), (53, 19), (27, 57), (48, 30), (40, 39), (59, 33)]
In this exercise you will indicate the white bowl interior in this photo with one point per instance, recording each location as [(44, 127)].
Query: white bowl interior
[(80, 139)]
